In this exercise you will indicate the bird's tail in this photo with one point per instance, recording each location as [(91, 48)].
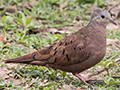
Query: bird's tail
[(23, 59)]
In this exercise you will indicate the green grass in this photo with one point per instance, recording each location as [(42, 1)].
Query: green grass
[(47, 14)]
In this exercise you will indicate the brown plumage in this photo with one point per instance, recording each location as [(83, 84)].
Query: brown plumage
[(77, 52)]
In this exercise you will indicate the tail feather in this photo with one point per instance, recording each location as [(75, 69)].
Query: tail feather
[(24, 59)]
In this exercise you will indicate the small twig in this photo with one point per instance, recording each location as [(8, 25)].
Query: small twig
[(96, 73), (113, 57), (118, 46), (117, 60), (115, 76), (100, 71), (92, 82), (5, 54), (63, 5)]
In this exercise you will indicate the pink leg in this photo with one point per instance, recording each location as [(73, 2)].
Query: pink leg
[(82, 78)]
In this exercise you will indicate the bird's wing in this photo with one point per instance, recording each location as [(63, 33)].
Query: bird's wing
[(69, 50)]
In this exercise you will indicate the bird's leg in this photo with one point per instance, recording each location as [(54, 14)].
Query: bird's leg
[(82, 78)]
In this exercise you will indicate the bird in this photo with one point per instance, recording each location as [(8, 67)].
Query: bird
[(76, 52)]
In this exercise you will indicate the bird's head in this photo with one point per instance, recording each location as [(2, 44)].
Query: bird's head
[(102, 17)]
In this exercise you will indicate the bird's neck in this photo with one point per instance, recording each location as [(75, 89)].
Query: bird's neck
[(97, 33), (100, 23)]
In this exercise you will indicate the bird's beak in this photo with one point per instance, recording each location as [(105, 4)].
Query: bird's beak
[(112, 21)]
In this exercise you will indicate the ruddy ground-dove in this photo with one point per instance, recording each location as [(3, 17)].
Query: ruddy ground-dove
[(77, 52)]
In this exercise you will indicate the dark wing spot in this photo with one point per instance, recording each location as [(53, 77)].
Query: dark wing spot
[(63, 51), (74, 48), (65, 43), (67, 57), (50, 47), (34, 56), (79, 48), (82, 47), (71, 41), (55, 48), (60, 44), (55, 60), (55, 52)]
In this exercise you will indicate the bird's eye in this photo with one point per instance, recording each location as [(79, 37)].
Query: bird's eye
[(102, 16)]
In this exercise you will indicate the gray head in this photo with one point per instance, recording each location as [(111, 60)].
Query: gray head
[(102, 17)]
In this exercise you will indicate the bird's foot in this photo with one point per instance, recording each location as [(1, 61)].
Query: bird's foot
[(83, 79)]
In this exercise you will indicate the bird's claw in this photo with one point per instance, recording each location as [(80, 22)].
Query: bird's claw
[(83, 79)]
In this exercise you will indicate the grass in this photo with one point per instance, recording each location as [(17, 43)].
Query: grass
[(48, 14)]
